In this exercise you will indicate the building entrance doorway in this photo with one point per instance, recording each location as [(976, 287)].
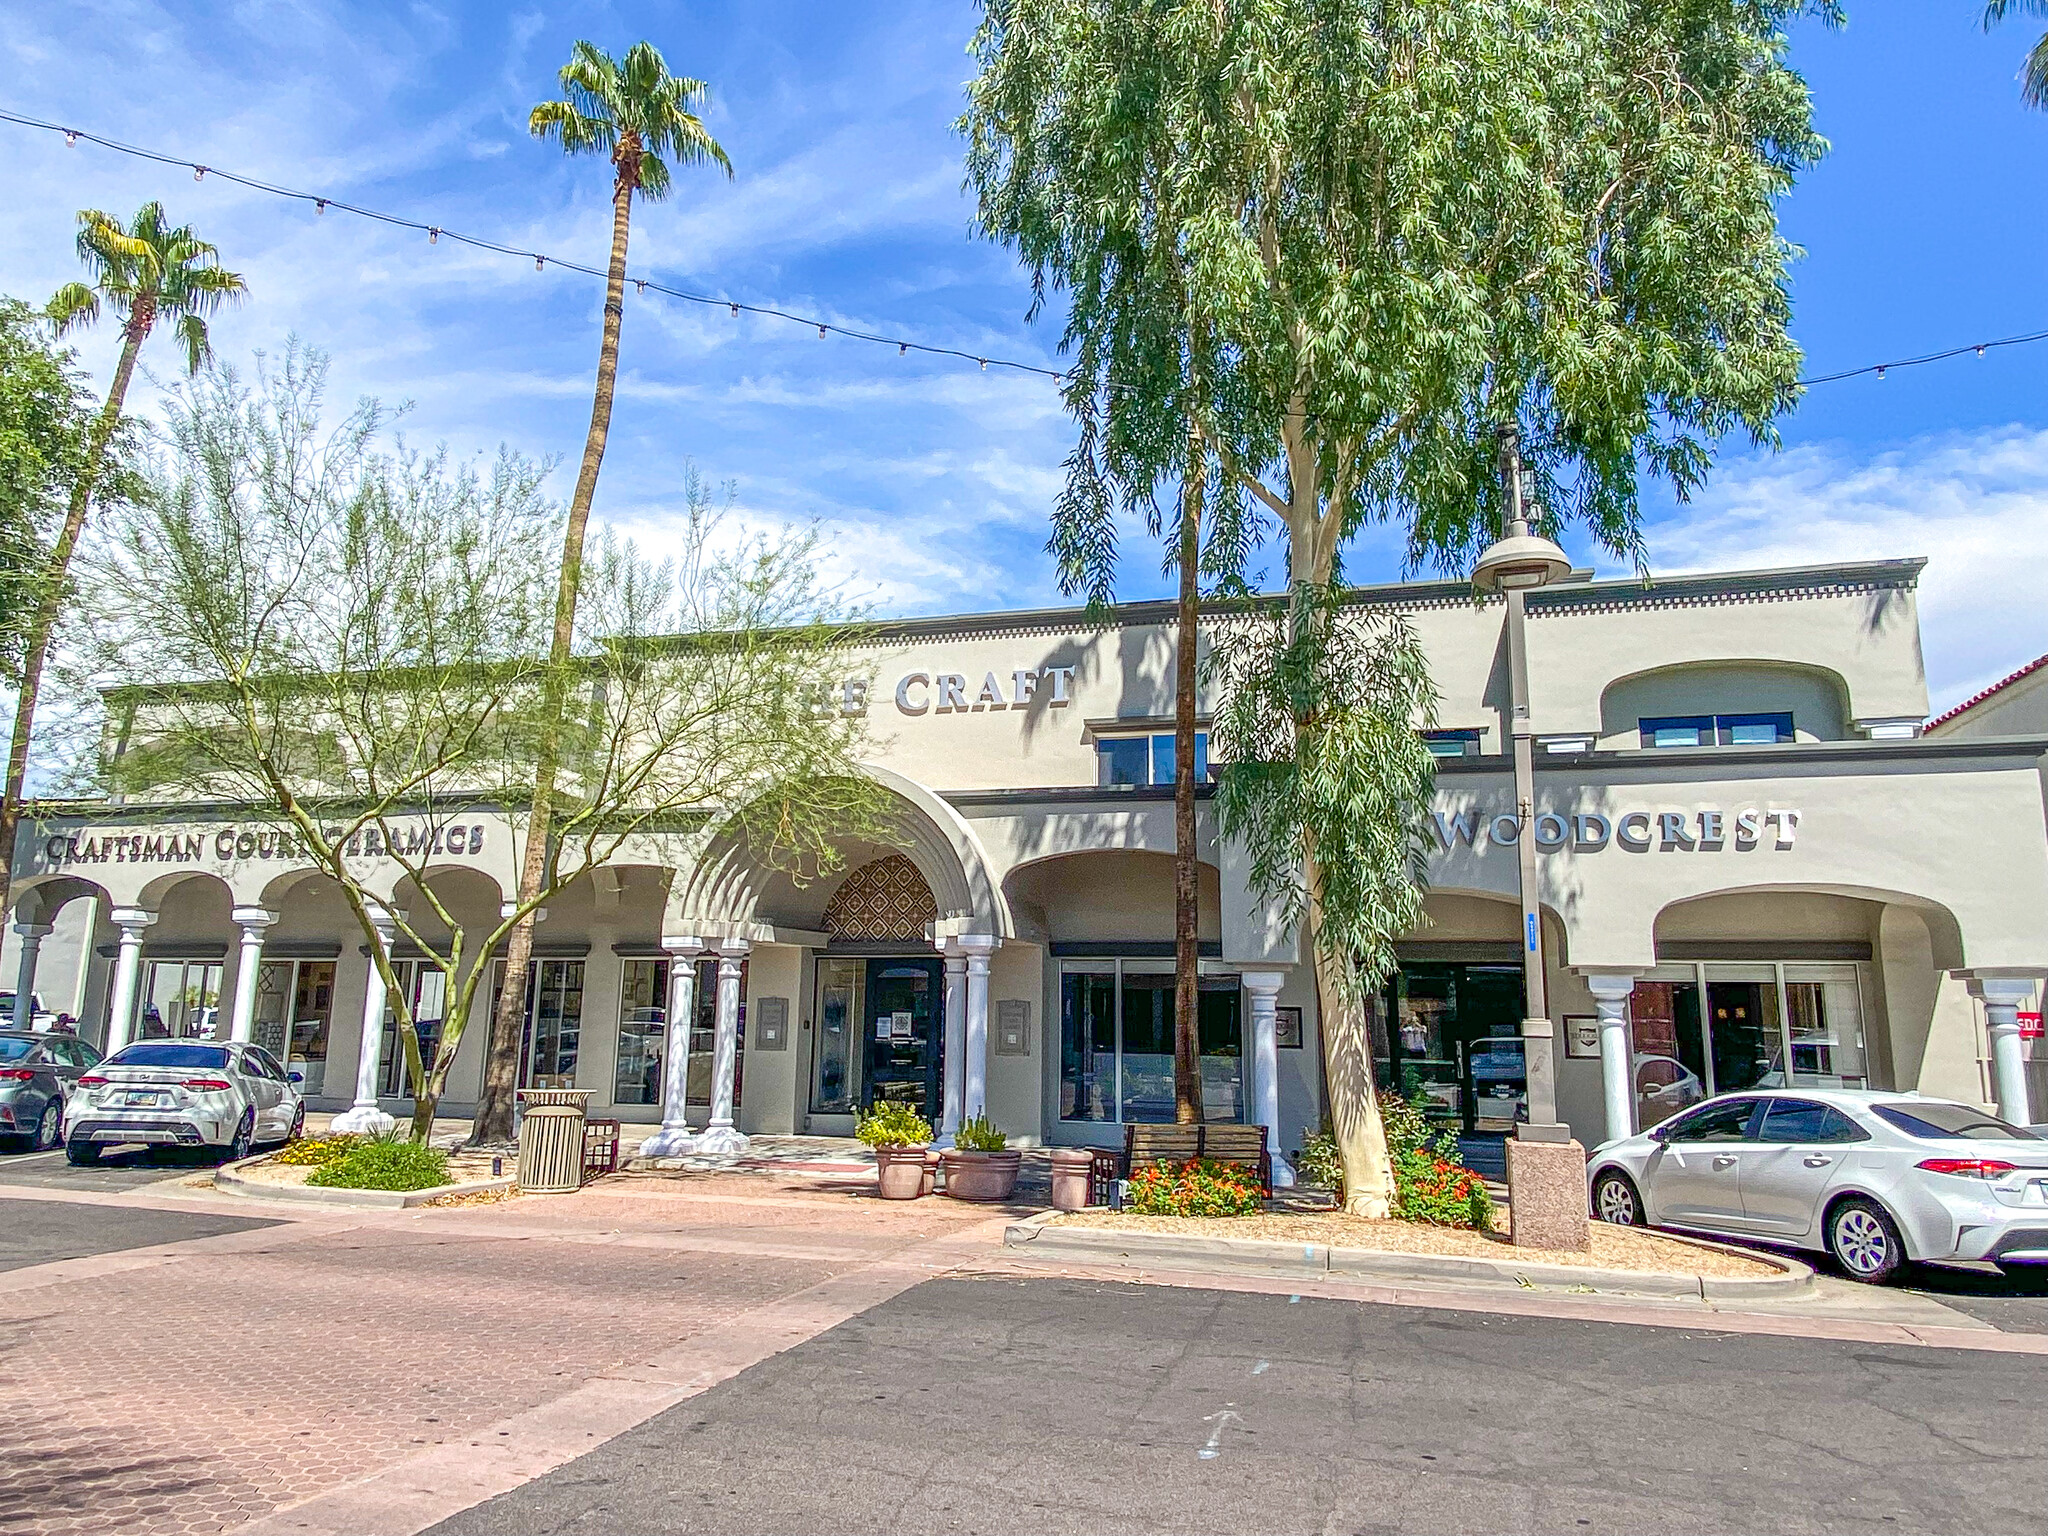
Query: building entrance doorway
[(1454, 1040), (881, 1034)]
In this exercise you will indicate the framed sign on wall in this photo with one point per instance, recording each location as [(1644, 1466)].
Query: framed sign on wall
[(1287, 1028), (1581, 1035)]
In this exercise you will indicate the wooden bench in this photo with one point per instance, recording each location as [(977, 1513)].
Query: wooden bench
[(1244, 1145)]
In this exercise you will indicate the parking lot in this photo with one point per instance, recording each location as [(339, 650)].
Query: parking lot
[(119, 1169)]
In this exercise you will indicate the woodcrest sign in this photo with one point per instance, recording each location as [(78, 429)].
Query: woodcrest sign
[(1707, 831)]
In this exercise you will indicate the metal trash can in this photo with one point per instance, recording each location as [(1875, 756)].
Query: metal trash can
[(551, 1140)]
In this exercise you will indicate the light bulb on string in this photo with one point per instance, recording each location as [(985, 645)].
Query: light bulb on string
[(641, 284), (821, 333), (984, 364), (1880, 370), (199, 173), (1980, 351), (902, 348), (319, 205), (540, 263), (433, 236), (71, 138), (735, 311)]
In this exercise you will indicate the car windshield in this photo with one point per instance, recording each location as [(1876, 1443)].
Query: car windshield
[(13, 1047), (1948, 1122), (164, 1053)]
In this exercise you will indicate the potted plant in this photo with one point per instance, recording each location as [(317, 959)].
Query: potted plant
[(899, 1136), (980, 1165)]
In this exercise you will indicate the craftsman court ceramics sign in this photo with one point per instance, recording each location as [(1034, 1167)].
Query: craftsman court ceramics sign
[(1708, 831), (233, 843)]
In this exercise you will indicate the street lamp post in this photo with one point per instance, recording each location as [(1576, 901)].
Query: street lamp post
[(1553, 1187)]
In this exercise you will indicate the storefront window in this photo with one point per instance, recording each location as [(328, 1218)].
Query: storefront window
[(181, 1001), (1699, 1030), (835, 1082), (1116, 1044), (704, 1034), (1456, 1044), (293, 1001), (643, 1032), (426, 988), (1146, 759)]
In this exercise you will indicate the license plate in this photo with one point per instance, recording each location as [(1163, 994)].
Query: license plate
[(142, 1100)]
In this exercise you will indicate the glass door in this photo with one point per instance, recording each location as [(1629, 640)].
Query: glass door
[(426, 987), (905, 1034), (181, 1001), (836, 1071), (294, 999)]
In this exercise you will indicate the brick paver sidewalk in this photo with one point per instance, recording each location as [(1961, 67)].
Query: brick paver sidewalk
[(194, 1395)]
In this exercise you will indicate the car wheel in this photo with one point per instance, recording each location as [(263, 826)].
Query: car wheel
[(245, 1137), (50, 1129), (1864, 1240), (81, 1152), (1615, 1199)]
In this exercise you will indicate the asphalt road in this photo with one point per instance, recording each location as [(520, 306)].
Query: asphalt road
[(43, 1231), (126, 1168), (994, 1405)]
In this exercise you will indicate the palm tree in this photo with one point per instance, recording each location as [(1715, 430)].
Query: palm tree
[(2034, 78), (634, 112), (147, 271)]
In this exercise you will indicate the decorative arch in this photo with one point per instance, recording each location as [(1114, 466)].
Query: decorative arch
[(720, 894), (885, 898)]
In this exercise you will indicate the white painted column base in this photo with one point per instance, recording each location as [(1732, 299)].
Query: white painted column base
[(721, 1138), (1263, 988), (674, 1139), (1611, 991), (953, 1049), (364, 1118), (2003, 996)]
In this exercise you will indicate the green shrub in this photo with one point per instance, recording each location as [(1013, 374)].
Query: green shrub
[(979, 1135), (1318, 1163), (1407, 1128), (1199, 1187), (384, 1165), (890, 1124), (312, 1151), (1438, 1190)]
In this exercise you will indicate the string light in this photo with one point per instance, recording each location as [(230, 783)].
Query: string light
[(641, 284), (821, 333), (903, 347), (540, 259)]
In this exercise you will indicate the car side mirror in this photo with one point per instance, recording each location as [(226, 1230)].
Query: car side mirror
[(298, 1077), (1659, 1134)]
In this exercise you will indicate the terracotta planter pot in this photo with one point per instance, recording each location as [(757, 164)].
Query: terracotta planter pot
[(1072, 1169), (981, 1175), (900, 1173)]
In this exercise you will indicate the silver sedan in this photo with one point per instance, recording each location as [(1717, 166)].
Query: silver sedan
[(1871, 1178), (36, 1071), (183, 1093)]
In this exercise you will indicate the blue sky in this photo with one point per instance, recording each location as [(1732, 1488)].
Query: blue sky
[(1926, 227)]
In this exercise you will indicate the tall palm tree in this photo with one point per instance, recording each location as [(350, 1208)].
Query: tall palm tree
[(638, 115), (146, 271), (2034, 78)]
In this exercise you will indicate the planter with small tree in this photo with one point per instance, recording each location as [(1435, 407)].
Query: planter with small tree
[(899, 1137), (980, 1165)]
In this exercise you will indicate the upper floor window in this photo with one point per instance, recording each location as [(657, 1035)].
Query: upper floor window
[(1146, 759), (1451, 743), (1717, 730)]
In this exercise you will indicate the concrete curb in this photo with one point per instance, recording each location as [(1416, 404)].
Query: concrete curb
[(1311, 1261), (228, 1178)]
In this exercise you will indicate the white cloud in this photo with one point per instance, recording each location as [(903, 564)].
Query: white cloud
[(1975, 504)]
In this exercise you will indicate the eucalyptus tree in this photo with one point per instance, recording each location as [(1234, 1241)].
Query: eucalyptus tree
[(351, 639), (1406, 223), (641, 118), (147, 271), (2034, 73)]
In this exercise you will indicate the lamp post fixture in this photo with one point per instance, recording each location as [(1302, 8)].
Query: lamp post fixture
[(1514, 564)]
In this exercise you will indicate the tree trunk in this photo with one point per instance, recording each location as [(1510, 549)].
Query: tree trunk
[(1187, 1060), (1353, 1097), (140, 318), (501, 1063)]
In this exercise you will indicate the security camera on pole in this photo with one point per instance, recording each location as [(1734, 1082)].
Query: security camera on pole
[(1546, 1167)]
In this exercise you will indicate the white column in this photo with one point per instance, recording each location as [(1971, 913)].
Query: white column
[(954, 1050), (720, 1138), (254, 921), (363, 1116), (133, 922), (674, 1138), (31, 936), (1611, 990), (2002, 996), (974, 1033), (1263, 989)]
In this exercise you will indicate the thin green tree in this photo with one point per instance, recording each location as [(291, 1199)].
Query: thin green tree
[(148, 271), (1405, 223), (2034, 73), (641, 118)]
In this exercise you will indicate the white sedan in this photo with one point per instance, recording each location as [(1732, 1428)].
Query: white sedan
[(182, 1093), (1871, 1178)]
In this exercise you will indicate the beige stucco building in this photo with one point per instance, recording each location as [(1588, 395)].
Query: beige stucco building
[(1754, 868)]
